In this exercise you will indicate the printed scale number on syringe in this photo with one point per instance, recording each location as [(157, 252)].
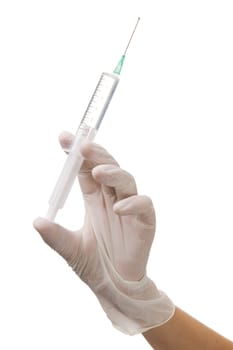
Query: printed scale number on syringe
[(99, 103), (87, 130)]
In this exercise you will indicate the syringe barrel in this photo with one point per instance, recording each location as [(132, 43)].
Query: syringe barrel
[(100, 100), (86, 132)]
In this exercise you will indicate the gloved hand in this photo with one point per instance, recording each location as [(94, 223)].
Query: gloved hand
[(111, 250)]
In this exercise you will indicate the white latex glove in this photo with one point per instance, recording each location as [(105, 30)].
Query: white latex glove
[(111, 250)]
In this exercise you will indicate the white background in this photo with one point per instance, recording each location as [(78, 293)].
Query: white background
[(170, 124)]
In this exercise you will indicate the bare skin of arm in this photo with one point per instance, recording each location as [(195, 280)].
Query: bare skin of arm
[(183, 332)]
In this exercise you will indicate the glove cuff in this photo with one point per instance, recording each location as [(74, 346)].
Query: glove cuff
[(133, 307)]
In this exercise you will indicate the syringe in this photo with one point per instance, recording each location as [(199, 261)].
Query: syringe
[(87, 130)]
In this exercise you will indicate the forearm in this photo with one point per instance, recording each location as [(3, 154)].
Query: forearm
[(183, 332)]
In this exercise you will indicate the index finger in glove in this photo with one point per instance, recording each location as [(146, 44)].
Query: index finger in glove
[(93, 155)]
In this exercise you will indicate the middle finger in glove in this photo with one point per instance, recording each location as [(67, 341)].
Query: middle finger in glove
[(112, 176)]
